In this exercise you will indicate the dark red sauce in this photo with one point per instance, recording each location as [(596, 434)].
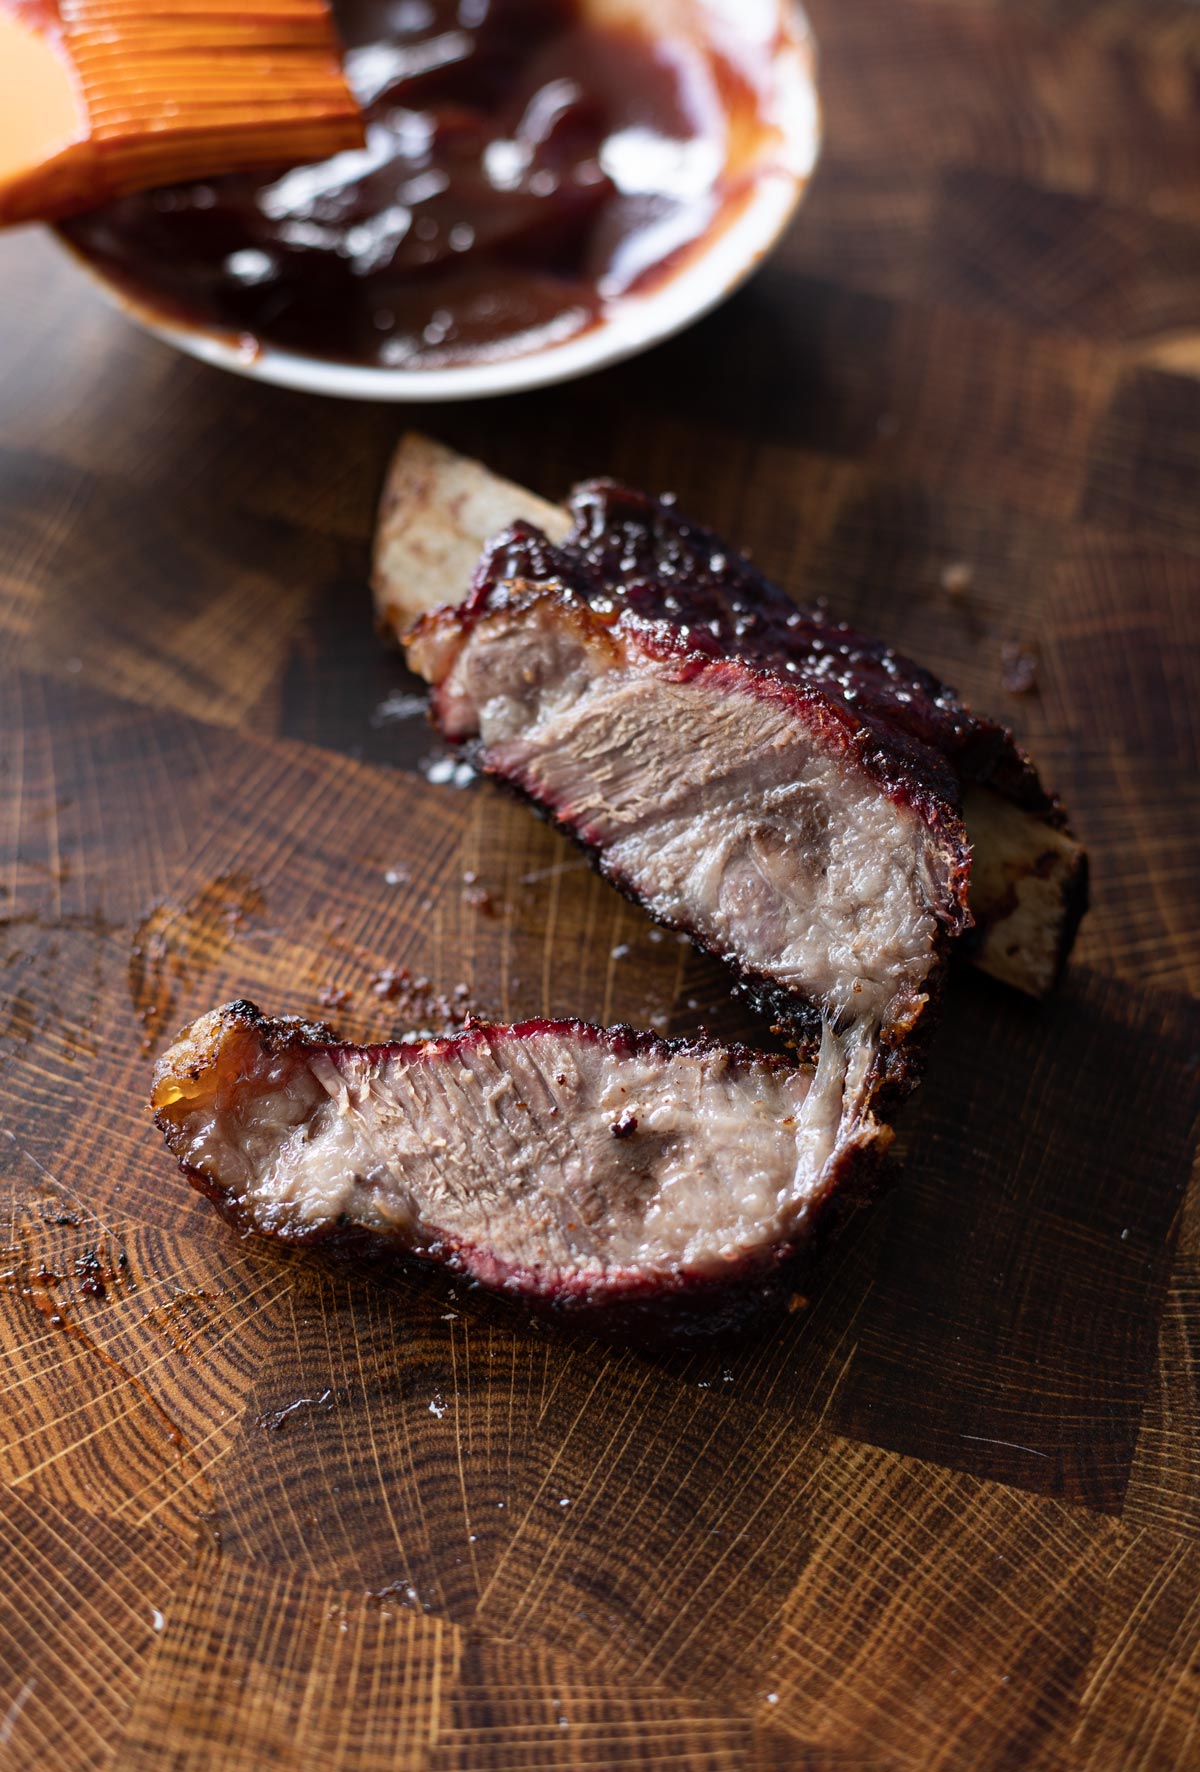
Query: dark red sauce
[(524, 169)]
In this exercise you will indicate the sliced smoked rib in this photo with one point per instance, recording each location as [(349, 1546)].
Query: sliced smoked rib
[(594, 1170), (626, 549), (820, 855), (1029, 881)]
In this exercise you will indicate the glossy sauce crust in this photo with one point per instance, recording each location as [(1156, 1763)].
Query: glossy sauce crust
[(631, 551)]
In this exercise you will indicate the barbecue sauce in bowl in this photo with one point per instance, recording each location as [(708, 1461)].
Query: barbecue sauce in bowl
[(528, 165)]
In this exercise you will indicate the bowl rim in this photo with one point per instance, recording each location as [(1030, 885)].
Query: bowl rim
[(630, 326)]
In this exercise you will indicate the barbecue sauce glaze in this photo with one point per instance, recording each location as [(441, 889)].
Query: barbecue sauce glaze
[(525, 168)]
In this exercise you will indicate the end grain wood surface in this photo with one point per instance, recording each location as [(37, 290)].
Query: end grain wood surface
[(260, 1511)]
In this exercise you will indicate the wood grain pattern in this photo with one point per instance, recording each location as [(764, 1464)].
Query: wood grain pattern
[(259, 1510)]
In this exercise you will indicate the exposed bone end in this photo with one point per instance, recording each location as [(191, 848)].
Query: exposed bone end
[(1029, 889), (224, 1039), (437, 510), (180, 1075), (228, 1058)]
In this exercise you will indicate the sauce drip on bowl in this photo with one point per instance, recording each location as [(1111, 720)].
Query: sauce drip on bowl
[(526, 167)]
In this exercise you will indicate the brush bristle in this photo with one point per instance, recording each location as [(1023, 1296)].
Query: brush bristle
[(170, 90)]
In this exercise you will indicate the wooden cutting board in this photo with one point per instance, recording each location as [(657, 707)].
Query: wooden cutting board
[(260, 1511)]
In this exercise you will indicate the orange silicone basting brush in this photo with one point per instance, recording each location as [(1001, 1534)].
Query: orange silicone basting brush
[(101, 97)]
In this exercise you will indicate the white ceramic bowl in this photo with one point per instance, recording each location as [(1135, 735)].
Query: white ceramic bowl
[(787, 103)]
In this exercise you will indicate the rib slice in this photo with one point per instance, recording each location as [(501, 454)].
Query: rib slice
[(590, 1169), (1029, 882), (820, 856)]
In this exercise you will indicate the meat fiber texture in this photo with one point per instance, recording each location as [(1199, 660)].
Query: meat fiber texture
[(602, 1174), (818, 852)]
